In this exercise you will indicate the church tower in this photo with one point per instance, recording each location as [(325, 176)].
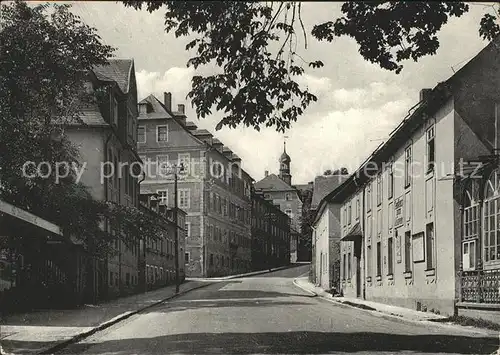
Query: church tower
[(285, 166)]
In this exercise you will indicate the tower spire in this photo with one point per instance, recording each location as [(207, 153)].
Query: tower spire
[(285, 165)]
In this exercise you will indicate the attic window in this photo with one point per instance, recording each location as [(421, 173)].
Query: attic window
[(143, 108)]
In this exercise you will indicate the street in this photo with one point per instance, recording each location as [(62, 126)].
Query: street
[(268, 314)]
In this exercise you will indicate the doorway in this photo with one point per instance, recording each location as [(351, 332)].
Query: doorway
[(357, 255)]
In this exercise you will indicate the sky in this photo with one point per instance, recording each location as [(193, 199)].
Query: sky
[(358, 104)]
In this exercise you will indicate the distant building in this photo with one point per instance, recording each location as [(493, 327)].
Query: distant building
[(213, 189), (270, 234), (109, 134), (279, 190), (326, 232), (419, 221), (157, 257)]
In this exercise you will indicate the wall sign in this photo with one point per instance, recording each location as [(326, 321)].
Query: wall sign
[(398, 212), (398, 247)]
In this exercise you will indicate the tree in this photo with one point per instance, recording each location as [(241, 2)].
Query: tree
[(46, 52), (255, 46)]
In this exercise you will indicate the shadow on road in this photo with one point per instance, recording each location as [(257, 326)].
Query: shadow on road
[(203, 304), (289, 342)]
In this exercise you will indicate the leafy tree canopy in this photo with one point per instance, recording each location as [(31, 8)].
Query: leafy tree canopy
[(255, 46), (46, 51)]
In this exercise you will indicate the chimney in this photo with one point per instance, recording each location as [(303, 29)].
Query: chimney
[(424, 94), (167, 100), (181, 108), (266, 173)]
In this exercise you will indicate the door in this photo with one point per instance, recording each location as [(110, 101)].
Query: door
[(357, 255)]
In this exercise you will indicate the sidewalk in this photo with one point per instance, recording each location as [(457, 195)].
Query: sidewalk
[(47, 330), (405, 313)]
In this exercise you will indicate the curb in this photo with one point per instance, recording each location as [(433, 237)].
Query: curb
[(59, 346), (386, 315), (314, 294)]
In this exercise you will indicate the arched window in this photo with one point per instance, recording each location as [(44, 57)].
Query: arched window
[(470, 225), (491, 212)]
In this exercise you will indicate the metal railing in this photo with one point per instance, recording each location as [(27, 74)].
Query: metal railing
[(480, 286)]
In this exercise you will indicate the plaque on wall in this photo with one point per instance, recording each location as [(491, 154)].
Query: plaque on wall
[(418, 247), (398, 212), (398, 247)]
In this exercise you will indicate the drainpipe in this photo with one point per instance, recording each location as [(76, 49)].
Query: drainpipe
[(106, 185), (313, 254), (362, 222)]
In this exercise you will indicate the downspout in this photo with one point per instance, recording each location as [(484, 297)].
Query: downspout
[(106, 185), (362, 220)]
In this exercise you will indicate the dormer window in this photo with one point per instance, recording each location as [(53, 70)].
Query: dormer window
[(115, 111), (143, 108)]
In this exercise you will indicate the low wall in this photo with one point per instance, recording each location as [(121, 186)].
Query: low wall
[(490, 312)]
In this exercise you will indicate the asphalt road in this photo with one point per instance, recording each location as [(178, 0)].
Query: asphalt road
[(267, 314)]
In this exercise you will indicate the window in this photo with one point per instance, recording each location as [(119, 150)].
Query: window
[(357, 209), (390, 183), (379, 222), (349, 214), (369, 228), (368, 197), (471, 225), (407, 251), (379, 259), (141, 134), (162, 165), (429, 244), (162, 133), (287, 196), (188, 229), (469, 255), (491, 236), (408, 172), (127, 279), (162, 197), (349, 266), (430, 149), (369, 261), (184, 198), (379, 189), (390, 256), (184, 160)]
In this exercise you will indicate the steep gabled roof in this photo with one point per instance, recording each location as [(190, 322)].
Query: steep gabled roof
[(323, 185), (274, 183), (118, 70), (157, 109)]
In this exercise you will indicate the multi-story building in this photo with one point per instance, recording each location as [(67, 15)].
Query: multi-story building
[(279, 190), (213, 189), (157, 257), (419, 225), (270, 234), (109, 134), (326, 232)]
